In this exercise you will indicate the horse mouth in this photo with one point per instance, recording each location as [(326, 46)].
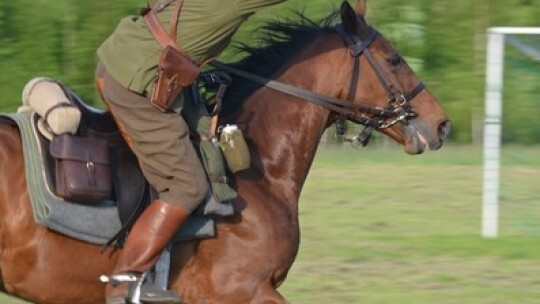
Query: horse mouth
[(416, 143), (418, 139)]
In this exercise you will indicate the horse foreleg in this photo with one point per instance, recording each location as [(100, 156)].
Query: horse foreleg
[(265, 294)]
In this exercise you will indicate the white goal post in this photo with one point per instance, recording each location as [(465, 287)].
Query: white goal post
[(493, 123)]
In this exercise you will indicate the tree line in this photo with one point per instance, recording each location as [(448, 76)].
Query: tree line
[(445, 42)]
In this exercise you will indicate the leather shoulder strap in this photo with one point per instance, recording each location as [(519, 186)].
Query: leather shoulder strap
[(157, 30), (174, 18)]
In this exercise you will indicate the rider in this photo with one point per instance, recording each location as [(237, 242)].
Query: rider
[(126, 71)]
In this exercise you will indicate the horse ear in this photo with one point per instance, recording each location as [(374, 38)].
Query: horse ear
[(361, 8), (349, 17)]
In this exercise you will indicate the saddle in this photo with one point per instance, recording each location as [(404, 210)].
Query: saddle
[(131, 191)]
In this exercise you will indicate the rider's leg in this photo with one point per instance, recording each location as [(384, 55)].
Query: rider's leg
[(146, 240), (169, 162)]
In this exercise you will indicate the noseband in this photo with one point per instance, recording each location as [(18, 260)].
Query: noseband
[(397, 110)]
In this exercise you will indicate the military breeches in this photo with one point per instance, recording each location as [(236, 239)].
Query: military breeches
[(161, 143)]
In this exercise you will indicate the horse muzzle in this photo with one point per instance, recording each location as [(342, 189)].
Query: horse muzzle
[(421, 137)]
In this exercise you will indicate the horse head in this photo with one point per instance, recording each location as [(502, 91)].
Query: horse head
[(399, 106)]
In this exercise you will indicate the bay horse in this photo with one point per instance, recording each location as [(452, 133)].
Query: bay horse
[(351, 64)]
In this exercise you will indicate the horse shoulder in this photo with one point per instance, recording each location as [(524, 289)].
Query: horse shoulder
[(259, 244)]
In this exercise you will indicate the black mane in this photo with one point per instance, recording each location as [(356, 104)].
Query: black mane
[(279, 40)]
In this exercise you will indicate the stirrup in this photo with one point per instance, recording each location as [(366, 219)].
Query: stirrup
[(141, 293), (117, 279), (132, 283), (151, 294)]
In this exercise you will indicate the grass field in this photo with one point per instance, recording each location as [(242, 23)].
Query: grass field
[(379, 226)]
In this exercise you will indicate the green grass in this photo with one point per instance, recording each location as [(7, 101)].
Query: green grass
[(379, 226)]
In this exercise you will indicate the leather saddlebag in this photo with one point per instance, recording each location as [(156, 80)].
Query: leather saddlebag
[(83, 173), (175, 72)]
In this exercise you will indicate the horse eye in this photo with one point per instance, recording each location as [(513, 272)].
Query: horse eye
[(395, 60)]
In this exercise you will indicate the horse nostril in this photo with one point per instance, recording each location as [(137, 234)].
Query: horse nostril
[(444, 130)]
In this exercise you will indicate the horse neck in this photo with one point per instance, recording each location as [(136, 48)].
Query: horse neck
[(285, 131)]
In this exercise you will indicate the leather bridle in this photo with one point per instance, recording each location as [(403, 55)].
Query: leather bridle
[(397, 110)]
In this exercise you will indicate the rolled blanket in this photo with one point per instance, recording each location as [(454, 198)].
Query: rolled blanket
[(46, 97)]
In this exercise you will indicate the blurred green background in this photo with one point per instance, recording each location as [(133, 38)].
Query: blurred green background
[(444, 40), (378, 226)]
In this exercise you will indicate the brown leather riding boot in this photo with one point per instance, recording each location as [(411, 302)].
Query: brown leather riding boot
[(147, 239)]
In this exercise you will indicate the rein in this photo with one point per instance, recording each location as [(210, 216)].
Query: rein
[(398, 109)]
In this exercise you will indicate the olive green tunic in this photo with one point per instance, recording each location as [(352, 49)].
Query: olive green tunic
[(205, 28), (128, 62)]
